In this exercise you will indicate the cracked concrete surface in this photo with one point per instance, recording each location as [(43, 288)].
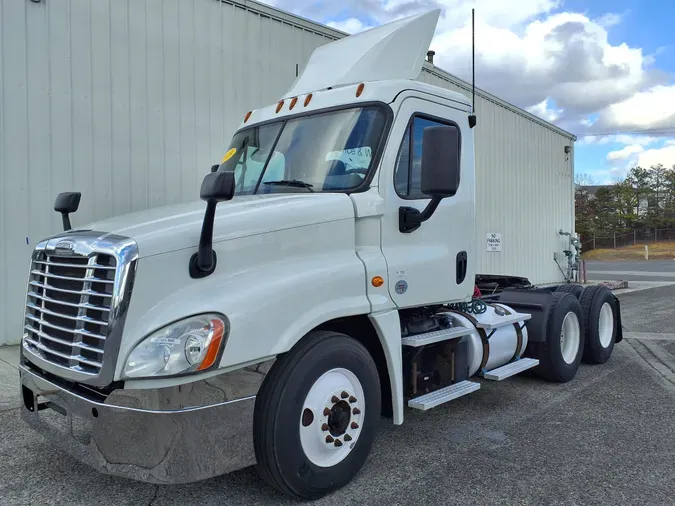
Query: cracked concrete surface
[(607, 437)]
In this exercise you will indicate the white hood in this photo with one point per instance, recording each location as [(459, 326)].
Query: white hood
[(177, 227)]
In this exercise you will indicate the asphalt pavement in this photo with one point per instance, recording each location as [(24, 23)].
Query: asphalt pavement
[(607, 437), (634, 270)]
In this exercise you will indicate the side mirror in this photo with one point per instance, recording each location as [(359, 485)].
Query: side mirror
[(66, 203), (216, 187), (441, 152), (441, 155)]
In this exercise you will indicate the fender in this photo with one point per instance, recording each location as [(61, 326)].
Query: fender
[(273, 288)]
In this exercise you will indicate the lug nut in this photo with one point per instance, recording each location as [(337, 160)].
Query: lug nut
[(329, 439), (344, 395), (348, 437), (326, 412), (352, 399), (355, 425), (324, 427), (338, 443), (334, 399), (356, 411)]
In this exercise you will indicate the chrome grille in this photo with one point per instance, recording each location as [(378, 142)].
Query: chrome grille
[(68, 309)]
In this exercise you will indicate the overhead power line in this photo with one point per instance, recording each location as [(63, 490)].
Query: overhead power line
[(669, 130)]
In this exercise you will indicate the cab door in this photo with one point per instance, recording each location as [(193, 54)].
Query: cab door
[(435, 262)]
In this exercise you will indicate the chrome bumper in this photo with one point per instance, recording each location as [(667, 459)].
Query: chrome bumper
[(167, 435)]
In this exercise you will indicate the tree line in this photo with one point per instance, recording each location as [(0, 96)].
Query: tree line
[(644, 199)]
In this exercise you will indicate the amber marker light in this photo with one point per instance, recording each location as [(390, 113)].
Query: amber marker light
[(359, 90), (308, 99), (293, 102), (248, 115), (214, 345), (280, 105), (377, 281)]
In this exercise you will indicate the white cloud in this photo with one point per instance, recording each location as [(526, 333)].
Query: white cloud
[(620, 162), (625, 153), (531, 53), (624, 139), (350, 25), (654, 109), (664, 156), (610, 19), (543, 110)]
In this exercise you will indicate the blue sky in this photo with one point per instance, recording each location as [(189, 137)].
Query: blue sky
[(589, 66), (647, 25)]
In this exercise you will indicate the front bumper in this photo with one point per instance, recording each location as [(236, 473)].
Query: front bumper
[(165, 435)]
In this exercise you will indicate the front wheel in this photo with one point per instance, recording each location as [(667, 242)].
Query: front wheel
[(316, 415)]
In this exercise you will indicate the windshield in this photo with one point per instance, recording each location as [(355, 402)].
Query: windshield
[(331, 151)]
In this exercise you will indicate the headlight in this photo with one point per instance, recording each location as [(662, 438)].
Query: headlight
[(186, 346)]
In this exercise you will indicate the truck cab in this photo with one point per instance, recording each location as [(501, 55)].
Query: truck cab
[(326, 279)]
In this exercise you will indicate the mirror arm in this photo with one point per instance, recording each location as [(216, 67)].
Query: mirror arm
[(410, 219), (65, 219), (204, 261)]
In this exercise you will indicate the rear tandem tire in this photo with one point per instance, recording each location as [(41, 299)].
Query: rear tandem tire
[(295, 450), (560, 355), (598, 308), (575, 290)]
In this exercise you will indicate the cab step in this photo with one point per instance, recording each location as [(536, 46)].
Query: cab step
[(443, 395), (511, 369), (436, 336)]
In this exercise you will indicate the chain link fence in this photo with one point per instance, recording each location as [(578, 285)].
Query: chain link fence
[(623, 238)]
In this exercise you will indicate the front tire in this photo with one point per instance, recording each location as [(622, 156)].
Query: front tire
[(316, 415)]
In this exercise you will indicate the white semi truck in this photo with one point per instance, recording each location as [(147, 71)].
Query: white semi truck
[(329, 282)]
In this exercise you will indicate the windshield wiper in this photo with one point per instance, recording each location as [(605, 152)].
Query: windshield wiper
[(291, 182)]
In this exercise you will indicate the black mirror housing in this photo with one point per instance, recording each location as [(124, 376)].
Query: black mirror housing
[(65, 203), (441, 155), (218, 187)]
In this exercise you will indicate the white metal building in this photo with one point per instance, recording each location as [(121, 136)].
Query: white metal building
[(131, 102)]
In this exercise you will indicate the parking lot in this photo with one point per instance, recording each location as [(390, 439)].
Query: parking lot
[(607, 437)]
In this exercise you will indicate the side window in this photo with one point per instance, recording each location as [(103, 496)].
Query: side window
[(408, 174)]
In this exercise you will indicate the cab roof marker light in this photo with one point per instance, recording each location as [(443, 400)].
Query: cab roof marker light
[(280, 105), (359, 90), (308, 99), (248, 115), (293, 102)]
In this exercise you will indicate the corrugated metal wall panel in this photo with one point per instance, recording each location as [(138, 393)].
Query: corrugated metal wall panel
[(131, 102), (523, 188)]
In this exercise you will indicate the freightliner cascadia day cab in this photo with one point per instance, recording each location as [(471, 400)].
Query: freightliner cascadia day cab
[(324, 280)]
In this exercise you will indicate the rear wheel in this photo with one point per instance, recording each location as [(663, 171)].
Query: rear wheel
[(560, 355), (316, 415), (575, 290), (598, 309)]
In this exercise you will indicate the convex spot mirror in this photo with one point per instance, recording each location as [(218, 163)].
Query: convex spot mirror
[(441, 154)]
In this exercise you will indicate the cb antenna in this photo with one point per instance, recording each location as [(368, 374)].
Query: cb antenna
[(472, 118)]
